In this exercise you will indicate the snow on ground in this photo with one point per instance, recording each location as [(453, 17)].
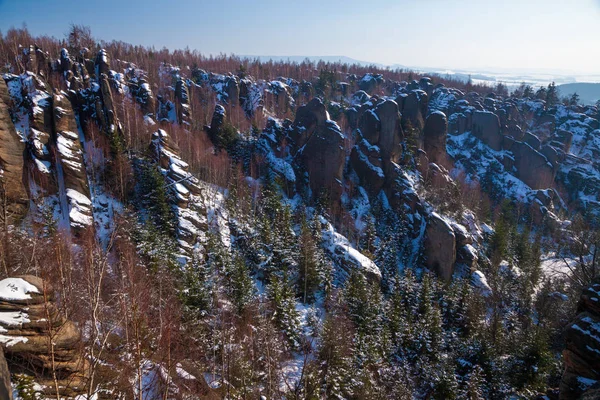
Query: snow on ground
[(479, 161), (292, 369), (214, 202), (480, 282), (340, 248), (556, 266)]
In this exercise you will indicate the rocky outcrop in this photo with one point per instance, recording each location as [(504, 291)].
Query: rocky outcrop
[(182, 103), (582, 352), (440, 247), (532, 167), (102, 64), (141, 91), (390, 135), (378, 148), (232, 90), (413, 106), (308, 118), (486, 127), (11, 160), (184, 188), (251, 97), (279, 96), (366, 161), (369, 82), (104, 103), (323, 158), (434, 136), (37, 338), (69, 159), (318, 146), (215, 129)]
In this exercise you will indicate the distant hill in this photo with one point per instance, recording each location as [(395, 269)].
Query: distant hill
[(589, 93)]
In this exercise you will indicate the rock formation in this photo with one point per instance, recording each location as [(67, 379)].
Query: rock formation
[(532, 167), (486, 127), (434, 136), (440, 247), (182, 103), (582, 352), (183, 186), (319, 149), (70, 161), (36, 337), (378, 148), (413, 106), (11, 161)]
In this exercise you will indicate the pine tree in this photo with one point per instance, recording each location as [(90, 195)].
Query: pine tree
[(399, 327), (154, 198), (335, 356), (197, 286), (369, 237), (308, 264), (281, 294), (574, 99), (240, 286), (551, 95), (475, 383)]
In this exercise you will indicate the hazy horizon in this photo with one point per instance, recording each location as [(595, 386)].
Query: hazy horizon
[(467, 35)]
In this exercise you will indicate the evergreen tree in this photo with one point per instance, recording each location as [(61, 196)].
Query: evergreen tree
[(240, 286), (281, 294), (154, 198), (197, 285), (574, 99), (308, 264), (551, 95), (335, 357)]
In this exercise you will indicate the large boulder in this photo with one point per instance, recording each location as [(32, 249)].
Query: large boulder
[(440, 247), (486, 127), (434, 136), (11, 160), (582, 346)]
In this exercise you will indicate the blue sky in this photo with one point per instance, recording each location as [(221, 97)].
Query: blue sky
[(476, 34)]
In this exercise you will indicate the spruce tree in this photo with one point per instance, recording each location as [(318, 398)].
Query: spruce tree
[(240, 286), (281, 294)]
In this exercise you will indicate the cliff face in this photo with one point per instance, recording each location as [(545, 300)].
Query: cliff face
[(12, 174)]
